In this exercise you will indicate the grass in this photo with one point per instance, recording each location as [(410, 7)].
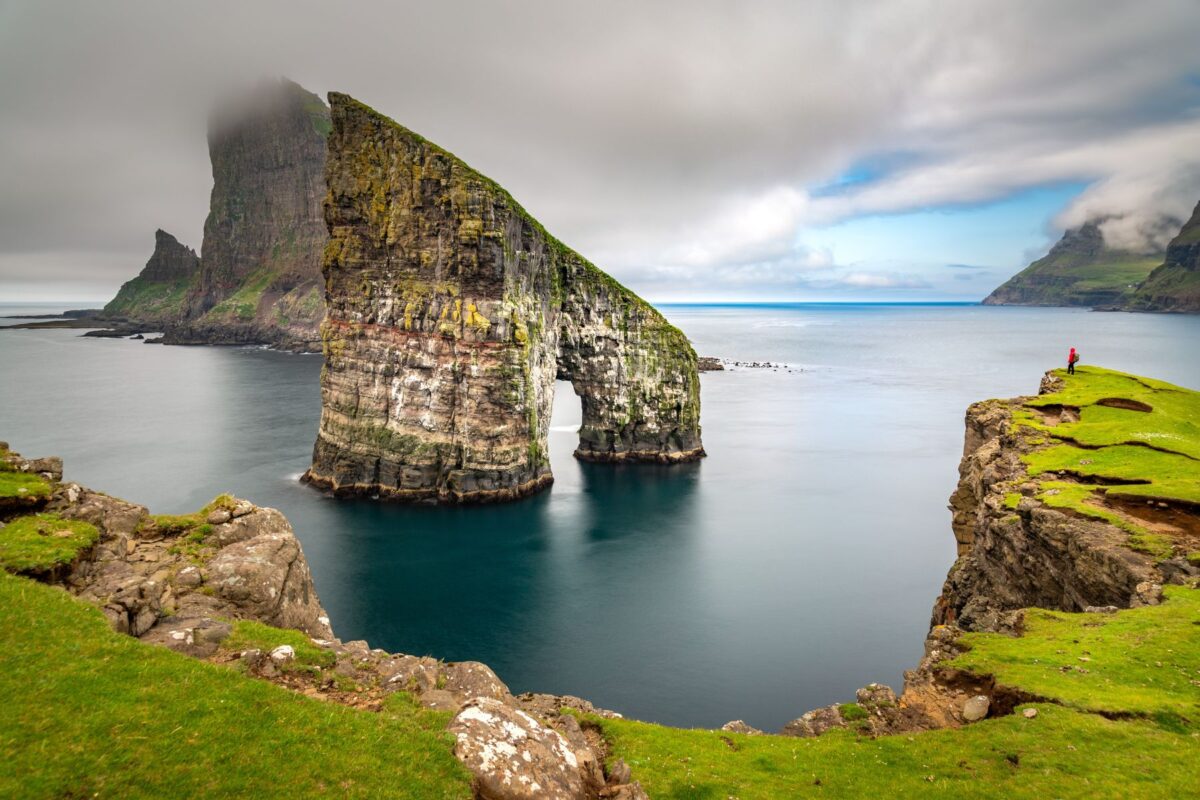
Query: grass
[(248, 635), (1142, 664), (1148, 450), (92, 713), (1142, 661), (14, 483), (150, 300), (22, 484), (41, 542), (1061, 753)]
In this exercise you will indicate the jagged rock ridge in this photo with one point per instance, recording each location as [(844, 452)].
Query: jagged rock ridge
[(1080, 270), (1174, 286), (451, 311), (157, 294)]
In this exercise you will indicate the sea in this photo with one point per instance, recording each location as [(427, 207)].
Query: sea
[(797, 562)]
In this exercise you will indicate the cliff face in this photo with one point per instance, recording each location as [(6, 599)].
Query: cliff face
[(1174, 286), (1071, 499), (157, 294), (260, 279), (1080, 270), (450, 311)]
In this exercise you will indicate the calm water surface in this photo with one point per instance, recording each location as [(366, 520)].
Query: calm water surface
[(795, 564)]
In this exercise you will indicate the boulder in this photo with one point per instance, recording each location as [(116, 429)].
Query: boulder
[(976, 708), (514, 756)]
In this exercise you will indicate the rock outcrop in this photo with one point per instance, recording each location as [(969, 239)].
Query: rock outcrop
[(1080, 270), (157, 294), (232, 561), (1174, 286), (1016, 551), (451, 311)]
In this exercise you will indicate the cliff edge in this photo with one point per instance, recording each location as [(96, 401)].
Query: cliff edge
[(451, 312)]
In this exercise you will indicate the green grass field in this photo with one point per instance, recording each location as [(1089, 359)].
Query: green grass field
[(91, 713)]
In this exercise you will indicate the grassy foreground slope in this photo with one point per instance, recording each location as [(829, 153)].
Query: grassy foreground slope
[(1063, 752), (91, 713)]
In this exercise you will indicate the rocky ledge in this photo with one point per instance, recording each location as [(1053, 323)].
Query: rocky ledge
[(191, 582), (451, 312)]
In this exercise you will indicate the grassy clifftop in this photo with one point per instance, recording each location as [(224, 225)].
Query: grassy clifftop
[(93, 713), (1122, 449)]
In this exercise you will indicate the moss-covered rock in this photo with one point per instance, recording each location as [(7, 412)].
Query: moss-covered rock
[(451, 311)]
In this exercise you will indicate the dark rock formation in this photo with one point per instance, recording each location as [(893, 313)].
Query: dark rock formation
[(1080, 270), (157, 294), (1174, 286), (451, 311), (260, 276)]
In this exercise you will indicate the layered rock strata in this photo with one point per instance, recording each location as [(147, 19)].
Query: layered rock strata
[(157, 294), (451, 311)]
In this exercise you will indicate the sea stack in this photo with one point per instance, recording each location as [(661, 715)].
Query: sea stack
[(450, 311)]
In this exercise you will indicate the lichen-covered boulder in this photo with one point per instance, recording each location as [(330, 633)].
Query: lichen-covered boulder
[(514, 756), (450, 312)]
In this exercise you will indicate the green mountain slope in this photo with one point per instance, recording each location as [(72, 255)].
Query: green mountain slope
[(1080, 270), (1174, 286)]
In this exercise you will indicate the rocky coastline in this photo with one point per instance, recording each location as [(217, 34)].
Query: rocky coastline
[(185, 582)]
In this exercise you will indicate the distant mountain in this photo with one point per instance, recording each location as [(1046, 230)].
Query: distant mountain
[(157, 294), (259, 278), (1081, 270), (1174, 286)]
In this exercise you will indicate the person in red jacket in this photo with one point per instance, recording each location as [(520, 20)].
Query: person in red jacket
[(1072, 357)]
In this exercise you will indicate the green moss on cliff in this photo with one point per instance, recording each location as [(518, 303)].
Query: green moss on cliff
[(92, 713)]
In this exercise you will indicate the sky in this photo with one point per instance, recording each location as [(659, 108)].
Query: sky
[(894, 150)]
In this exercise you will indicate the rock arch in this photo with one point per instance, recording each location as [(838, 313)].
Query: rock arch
[(450, 312)]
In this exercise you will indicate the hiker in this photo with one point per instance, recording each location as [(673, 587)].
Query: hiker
[(1072, 357)]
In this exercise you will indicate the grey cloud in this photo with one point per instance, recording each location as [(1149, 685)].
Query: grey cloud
[(686, 135)]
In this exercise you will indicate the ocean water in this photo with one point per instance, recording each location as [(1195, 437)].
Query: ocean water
[(796, 563)]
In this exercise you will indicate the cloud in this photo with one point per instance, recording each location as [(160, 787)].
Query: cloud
[(695, 137), (881, 280)]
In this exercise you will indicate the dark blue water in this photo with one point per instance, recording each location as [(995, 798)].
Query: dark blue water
[(795, 564)]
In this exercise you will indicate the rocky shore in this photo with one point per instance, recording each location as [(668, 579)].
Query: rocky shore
[(190, 582)]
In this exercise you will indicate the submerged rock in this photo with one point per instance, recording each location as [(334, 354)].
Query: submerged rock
[(451, 311)]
